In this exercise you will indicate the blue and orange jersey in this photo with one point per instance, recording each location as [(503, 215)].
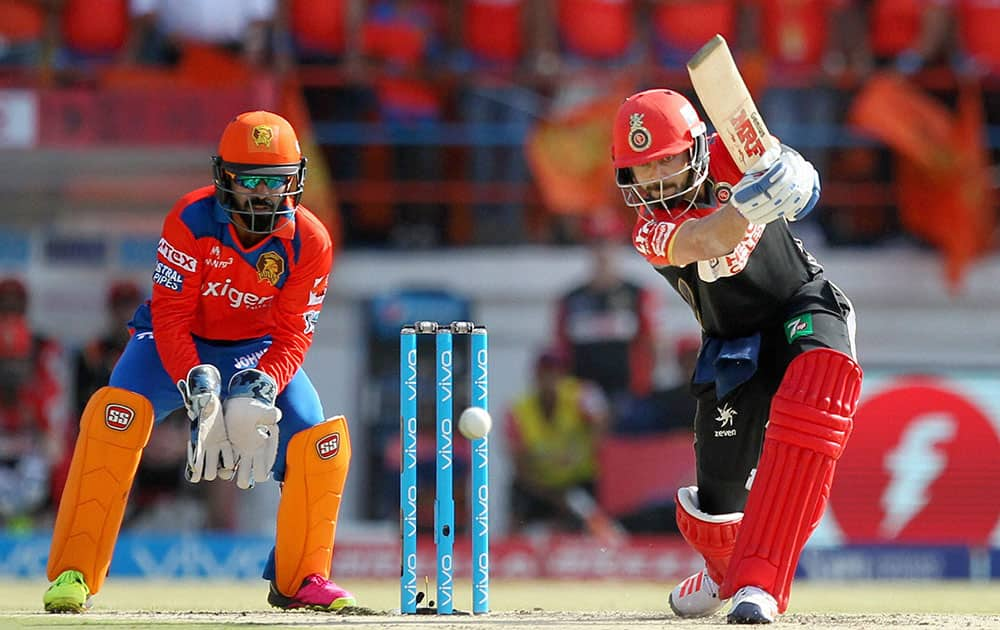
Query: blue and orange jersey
[(208, 285)]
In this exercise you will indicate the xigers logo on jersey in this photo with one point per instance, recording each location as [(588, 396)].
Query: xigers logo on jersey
[(236, 298)]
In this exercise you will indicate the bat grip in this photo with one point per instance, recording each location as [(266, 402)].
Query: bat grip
[(766, 160)]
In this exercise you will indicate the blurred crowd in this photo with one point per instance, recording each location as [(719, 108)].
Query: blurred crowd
[(44, 387), (598, 401), (437, 118)]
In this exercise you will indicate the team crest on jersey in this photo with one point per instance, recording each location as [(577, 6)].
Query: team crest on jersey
[(262, 136), (638, 136), (723, 192), (270, 266)]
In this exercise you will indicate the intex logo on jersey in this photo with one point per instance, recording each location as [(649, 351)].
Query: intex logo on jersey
[(118, 417), (328, 446), (176, 257), (725, 419), (236, 298)]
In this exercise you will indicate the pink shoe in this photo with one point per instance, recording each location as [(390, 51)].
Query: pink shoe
[(316, 593)]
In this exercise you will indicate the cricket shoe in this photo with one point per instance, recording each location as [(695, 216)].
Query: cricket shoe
[(697, 596), (316, 593), (752, 605), (68, 594)]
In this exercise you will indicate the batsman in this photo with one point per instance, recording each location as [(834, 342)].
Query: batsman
[(240, 278), (777, 378)]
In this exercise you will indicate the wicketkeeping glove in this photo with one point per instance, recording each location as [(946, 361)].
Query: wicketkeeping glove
[(252, 424), (788, 189), (209, 453)]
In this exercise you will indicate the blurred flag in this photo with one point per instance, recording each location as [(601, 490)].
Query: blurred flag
[(943, 181), (570, 158), (319, 194)]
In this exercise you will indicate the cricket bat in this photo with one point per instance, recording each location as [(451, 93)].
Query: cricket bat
[(726, 100)]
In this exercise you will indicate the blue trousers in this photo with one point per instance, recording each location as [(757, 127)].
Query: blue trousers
[(140, 370)]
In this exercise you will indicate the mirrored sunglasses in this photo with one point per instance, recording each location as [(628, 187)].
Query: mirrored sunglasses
[(272, 182)]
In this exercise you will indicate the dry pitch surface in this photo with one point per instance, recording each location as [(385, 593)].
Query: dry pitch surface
[(516, 605)]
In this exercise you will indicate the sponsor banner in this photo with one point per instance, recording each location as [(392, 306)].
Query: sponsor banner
[(885, 563), (76, 250), (663, 558), (562, 557), (923, 463), (243, 556), (195, 556)]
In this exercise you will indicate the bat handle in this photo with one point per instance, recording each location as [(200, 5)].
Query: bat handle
[(766, 160)]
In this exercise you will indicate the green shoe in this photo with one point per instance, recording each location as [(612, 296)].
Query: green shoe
[(68, 594)]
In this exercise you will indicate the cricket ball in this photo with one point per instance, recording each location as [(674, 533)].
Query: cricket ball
[(475, 423)]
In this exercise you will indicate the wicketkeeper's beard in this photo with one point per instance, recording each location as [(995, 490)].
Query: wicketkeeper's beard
[(260, 214)]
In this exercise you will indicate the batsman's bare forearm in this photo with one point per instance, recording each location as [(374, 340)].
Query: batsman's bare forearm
[(708, 237)]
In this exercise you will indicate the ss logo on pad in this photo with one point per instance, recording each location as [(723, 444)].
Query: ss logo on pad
[(328, 446), (118, 417)]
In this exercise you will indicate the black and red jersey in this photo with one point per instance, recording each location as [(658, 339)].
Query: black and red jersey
[(736, 294)]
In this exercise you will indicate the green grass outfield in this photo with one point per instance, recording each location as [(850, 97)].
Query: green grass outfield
[(515, 605)]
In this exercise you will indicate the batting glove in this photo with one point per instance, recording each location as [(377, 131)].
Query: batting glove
[(788, 189)]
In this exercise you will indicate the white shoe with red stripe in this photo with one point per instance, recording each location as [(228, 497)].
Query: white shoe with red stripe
[(697, 596)]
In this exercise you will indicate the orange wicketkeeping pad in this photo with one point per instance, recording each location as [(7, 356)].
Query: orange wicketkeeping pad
[(318, 459), (114, 429)]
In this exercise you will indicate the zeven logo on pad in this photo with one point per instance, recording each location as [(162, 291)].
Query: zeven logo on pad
[(328, 446), (118, 417)]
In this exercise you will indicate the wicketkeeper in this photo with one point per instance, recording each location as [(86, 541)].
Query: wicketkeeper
[(240, 278)]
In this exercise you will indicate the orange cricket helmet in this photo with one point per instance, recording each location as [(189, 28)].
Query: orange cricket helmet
[(259, 152)]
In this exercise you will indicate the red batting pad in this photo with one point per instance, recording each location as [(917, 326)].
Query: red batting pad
[(713, 536), (811, 418)]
